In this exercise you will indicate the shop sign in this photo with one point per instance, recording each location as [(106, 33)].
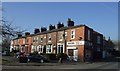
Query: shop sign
[(76, 43)]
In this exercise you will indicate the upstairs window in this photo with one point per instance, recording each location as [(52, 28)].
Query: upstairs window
[(61, 36), (98, 39), (36, 39), (44, 40), (72, 34), (41, 38), (88, 34), (33, 39), (65, 33), (49, 38)]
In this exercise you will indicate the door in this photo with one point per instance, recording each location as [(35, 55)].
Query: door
[(75, 57)]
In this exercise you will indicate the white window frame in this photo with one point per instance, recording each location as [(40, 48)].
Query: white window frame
[(89, 34), (60, 45), (47, 48), (40, 47), (41, 37), (65, 33), (32, 48), (49, 36), (73, 34), (36, 39), (61, 36)]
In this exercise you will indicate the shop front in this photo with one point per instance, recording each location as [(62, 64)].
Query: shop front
[(74, 50)]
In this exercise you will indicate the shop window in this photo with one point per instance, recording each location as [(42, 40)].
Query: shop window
[(70, 52)]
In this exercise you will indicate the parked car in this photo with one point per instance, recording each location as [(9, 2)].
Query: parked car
[(37, 58)]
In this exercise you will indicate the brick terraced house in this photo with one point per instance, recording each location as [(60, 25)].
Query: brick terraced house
[(78, 42)]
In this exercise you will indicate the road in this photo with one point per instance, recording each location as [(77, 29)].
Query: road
[(110, 65), (97, 65)]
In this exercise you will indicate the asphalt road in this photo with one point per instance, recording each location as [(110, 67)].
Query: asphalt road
[(97, 65)]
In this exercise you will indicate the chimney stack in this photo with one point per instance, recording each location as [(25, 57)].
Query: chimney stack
[(27, 33), (43, 29), (60, 25), (70, 22), (36, 31), (19, 35), (51, 27)]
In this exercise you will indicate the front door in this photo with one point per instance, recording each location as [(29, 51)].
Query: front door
[(75, 55)]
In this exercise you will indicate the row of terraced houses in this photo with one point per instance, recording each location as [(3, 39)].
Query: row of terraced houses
[(78, 41)]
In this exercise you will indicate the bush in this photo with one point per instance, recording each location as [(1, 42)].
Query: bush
[(50, 56), (34, 53), (62, 55)]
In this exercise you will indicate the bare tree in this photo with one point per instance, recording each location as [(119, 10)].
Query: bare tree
[(7, 31)]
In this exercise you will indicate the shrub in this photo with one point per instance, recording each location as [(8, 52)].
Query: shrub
[(50, 56), (62, 55), (34, 53)]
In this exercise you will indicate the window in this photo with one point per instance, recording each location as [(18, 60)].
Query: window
[(40, 49), (60, 48), (44, 40), (22, 48), (32, 48), (61, 36), (72, 34), (65, 33), (49, 38), (36, 39), (33, 39), (98, 39), (70, 52), (48, 48), (41, 38), (88, 34)]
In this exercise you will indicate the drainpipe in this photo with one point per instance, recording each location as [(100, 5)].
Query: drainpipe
[(64, 41), (56, 42), (84, 44)]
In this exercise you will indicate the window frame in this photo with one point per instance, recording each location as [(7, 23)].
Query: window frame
[(99, 39), (49, 38), (49, 48), (73, 34)]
